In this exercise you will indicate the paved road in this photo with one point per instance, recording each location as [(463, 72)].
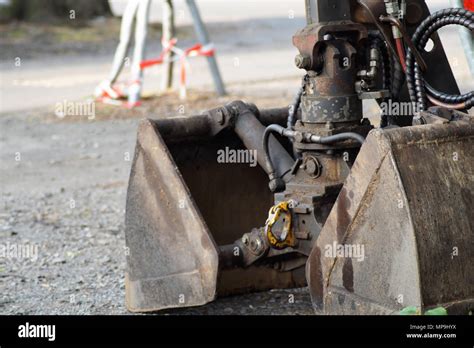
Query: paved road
[(242, 56), (215, 11)]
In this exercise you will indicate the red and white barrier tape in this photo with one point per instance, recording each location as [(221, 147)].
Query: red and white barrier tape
[(180, 56), (469, 5), (112, 94)]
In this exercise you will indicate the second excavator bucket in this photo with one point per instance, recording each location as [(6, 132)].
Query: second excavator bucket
[(401, 231), (182, 206)]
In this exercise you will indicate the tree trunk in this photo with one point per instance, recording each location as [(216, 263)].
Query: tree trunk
[(45, 10)]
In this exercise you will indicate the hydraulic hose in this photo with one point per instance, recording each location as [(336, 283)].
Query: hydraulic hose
[(337, 138), (401, 52), (276, 183), (378, 43), (293, 110), (419, 90), (393, 74)]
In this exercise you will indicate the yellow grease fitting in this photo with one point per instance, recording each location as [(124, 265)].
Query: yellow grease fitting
[(274, 213)]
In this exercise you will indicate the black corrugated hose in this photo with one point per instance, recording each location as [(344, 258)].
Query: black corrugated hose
[(418, 88)]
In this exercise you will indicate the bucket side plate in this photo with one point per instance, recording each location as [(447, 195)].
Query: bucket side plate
[(408, 203), (162, 222)]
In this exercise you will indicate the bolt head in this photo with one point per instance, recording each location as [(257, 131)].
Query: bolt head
[(299, 137), (255, 245), (276, 185), (328, 37), (312, 167)]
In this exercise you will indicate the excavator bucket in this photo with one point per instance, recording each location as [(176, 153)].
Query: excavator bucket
[(183, 207), (373, 220), (401, 231)]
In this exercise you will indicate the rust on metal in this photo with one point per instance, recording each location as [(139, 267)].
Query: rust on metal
[(408, 201)]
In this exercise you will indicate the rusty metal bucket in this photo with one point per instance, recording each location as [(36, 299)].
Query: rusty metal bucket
[(406, 214), (182, 205)]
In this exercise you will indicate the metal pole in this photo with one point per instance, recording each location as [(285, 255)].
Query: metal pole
[(310, 6), (141, 27), (466, 39), (203, 37), (318, 11), (168, 34)]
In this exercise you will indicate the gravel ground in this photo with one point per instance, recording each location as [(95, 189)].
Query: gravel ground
[(62, 203)]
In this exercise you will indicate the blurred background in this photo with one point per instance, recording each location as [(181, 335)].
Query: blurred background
[(66, 58), (63, 180)]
